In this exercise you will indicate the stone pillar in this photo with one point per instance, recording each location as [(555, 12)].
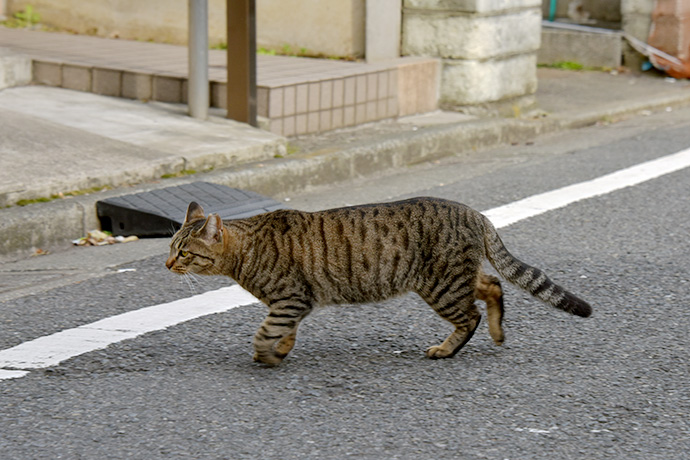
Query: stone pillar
[(488, 47)]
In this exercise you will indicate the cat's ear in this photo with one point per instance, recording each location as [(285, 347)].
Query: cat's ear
[(212, 231), (194, 212)]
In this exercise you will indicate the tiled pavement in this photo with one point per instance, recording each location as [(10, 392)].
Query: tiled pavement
[(295, 95)]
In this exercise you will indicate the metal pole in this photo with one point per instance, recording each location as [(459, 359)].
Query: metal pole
[(241, 88), (198, 87)]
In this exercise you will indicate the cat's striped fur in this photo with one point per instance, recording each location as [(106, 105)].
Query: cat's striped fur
[(294, 261)]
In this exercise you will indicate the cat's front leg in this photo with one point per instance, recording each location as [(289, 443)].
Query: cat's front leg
[(278, 332)]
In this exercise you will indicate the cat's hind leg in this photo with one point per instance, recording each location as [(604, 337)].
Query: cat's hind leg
[(276, 336), (489, 290), (285, 345), (455, 304)]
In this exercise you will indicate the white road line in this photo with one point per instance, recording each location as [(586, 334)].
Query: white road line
[(538, 204), (6, 375), (53, 349)]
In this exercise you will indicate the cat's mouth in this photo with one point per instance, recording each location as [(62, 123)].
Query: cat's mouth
[(173, 267)]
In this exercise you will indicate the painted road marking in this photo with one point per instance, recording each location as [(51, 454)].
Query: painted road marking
[(53, 349), (534, 205)]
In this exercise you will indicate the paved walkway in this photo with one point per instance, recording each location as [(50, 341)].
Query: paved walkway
[(294, 95)]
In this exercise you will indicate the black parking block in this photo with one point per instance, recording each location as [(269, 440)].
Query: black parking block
[(159, 213)]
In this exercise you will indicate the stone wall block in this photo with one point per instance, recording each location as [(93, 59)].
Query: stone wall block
[(471, 6), (454, 36), (470, 82)]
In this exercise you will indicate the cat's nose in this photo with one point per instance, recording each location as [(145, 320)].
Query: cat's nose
[(170, 262)]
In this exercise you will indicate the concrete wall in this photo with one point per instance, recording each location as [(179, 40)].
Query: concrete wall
[(329, 27), (488, 47), (162, 21)]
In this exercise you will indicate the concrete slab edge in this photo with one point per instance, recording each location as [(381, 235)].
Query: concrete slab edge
[(621, 110), (55, 224), (255, 151), (112, 177)]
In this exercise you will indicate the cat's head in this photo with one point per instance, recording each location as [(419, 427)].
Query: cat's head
[(197, 244)]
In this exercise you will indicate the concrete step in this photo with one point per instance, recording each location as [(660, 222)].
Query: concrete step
[(15, 69), (589, 46)]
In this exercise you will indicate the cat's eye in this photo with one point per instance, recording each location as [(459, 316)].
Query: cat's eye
[(184, 253)]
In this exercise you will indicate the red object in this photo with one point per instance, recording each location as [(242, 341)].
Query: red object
[(670, 33)]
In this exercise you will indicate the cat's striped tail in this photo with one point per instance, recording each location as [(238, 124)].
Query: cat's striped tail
[(529, 278)]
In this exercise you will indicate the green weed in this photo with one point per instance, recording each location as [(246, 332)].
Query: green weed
[(62, 195), (184, 172), (23, 19)]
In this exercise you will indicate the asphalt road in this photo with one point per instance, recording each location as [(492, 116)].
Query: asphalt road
[(357, 384)]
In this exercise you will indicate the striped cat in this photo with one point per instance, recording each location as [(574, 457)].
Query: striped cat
[(294, 261)]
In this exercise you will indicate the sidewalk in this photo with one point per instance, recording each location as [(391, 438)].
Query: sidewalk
[(56, 140)]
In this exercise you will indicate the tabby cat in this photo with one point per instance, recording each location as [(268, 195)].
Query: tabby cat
[(294, 261)]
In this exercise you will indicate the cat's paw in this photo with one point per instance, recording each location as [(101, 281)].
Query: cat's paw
[(438, 352), (499, 338), (271, 359)]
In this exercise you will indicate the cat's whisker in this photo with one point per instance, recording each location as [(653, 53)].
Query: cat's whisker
[(190, 284), (194, 278)]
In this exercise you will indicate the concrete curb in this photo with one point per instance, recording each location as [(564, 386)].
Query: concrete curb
[(55, 224)]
